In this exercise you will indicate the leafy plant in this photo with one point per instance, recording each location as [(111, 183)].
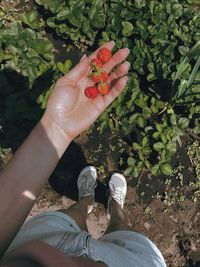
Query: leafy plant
[(78, 20), (27, 75)]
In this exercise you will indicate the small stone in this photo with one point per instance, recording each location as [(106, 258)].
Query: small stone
[(147, 225)]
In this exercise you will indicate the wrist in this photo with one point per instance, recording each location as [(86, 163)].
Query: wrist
[(55, 134)]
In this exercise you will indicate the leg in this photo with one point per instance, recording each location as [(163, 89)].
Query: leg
[(79, 212), (86, 185), (118, 219)]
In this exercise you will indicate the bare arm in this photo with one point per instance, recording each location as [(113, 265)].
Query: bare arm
[(24, 176), (68, 114)]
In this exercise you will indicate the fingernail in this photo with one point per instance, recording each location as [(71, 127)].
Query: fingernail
[(128, 64), (113, 42), (83, 57), (127, 50), (125, 79)]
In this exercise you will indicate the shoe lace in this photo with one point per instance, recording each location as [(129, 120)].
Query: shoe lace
[(88, 185), (117, 194)]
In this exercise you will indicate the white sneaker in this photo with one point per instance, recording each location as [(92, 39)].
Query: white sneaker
[(117, 190), (87, 181)]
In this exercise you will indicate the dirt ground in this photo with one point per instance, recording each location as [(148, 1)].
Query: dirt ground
[(164, 211)]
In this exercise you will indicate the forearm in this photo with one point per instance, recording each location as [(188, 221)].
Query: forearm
[(24, 176)]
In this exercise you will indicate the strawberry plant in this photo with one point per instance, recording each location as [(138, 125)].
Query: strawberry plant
[(26, 58), (79, 21)]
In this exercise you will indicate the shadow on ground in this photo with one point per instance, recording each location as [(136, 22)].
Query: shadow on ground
[(19, 110), (64, 178)]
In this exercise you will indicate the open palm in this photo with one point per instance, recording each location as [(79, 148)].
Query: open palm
[(68, 106)]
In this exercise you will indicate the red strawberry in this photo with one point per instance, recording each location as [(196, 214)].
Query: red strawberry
[(91, 92), (96, 62), (96, 77), (104, 55), (99, 76), (103, 88), (104, 76)]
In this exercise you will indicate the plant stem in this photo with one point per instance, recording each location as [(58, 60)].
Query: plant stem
[(163, 110), (193, 135)]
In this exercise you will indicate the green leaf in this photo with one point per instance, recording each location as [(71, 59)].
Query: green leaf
[(31, 19), (147, 163), (51, 22), (103, 125), (194, 73), (48, 56), (183, 50), (64, 67), (127, 28), (131, 161), (151, 6), (60, 66), (158, 146), (68, 65), (63, 14), (156, 135), (43, 46), (173, 119), (140, 3), (171, 146), (132, 118), (146, 150), (136, 147), (155, 169), (177, 10), (141, 155), (1, 55), (36, 61), (165, 155), (145, 141), (184, 122), (164, 138), (166, 169), (141, 121), (141, 102), (111, 124), (135, 172), (159, 127), (96, 16), (159, 104), (75, 18), (128, 171), (151, 77), (119, 110)]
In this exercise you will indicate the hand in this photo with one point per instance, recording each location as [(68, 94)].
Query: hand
[(68, 106)]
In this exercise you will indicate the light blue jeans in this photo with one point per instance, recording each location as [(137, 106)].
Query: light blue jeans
[(116, 249)]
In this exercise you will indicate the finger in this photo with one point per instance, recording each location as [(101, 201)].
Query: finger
[(108, 45), (83, 57), (120, 71), (79, 71), (115, 91), (116, 59)]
